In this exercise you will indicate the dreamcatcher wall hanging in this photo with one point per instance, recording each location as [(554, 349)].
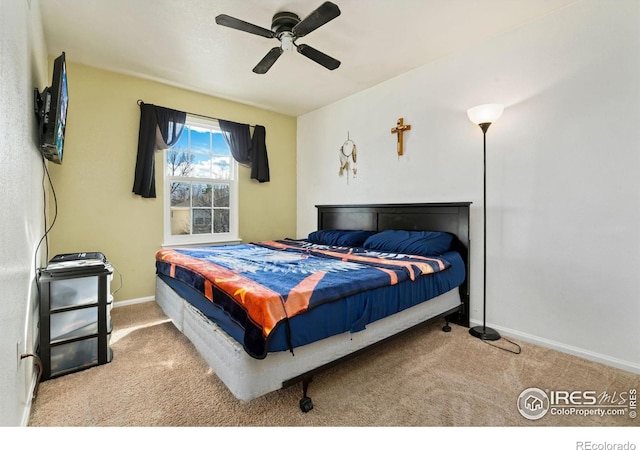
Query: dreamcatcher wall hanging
[(348, 158)]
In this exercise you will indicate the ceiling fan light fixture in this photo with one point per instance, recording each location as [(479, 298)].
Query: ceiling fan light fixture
[(286, 40)]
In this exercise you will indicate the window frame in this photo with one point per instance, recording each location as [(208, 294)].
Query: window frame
[(205, 238)]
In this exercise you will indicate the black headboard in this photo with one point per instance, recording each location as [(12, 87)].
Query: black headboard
[(450, 217)]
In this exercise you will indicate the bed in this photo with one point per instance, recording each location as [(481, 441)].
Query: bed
[(272, 314)]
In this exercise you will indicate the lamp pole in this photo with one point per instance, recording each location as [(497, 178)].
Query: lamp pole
[(483, 116)]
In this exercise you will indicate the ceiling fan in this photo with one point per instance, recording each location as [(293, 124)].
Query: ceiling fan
[(288, 28)]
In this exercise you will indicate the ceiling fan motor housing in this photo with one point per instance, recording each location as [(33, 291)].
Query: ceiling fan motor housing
[(284, 21)]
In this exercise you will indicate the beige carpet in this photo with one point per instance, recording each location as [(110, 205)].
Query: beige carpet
[(424, 378)]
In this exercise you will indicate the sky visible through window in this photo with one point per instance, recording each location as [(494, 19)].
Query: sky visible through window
[(207, 152)]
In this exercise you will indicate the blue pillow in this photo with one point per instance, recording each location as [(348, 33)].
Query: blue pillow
[(423, 243), (341, 238)]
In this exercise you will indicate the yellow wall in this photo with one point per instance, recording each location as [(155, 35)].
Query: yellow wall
[(97, 210)]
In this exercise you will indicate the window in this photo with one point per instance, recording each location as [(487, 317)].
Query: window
[(201, 186)]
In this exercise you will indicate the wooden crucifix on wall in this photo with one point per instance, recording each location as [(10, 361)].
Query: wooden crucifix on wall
[(399, 129)]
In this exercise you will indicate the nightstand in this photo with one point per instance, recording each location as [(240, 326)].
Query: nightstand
[(75, 320)]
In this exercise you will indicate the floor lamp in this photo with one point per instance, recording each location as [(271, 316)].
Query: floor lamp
[(485, 115)]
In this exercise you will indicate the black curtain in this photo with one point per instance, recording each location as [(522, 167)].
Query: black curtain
[(160, 128), (238, 139), (259, 159), (247, 150)]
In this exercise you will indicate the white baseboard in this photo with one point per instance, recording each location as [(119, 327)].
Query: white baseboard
[(564, 348), (27, 410), (133, 301)]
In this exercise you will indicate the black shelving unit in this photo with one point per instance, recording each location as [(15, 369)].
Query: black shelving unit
[(75, 320)]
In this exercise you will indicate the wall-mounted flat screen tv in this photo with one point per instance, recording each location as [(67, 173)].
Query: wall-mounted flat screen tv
[(53, 112)]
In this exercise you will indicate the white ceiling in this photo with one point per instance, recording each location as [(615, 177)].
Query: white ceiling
[(178, 42)]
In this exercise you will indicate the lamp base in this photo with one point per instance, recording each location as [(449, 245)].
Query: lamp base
[(484, 333)]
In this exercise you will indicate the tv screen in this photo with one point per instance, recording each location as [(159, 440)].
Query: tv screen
[(54, 116)]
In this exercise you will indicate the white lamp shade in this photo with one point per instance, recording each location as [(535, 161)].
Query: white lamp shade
[(485, 113)]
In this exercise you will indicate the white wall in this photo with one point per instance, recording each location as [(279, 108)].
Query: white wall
[(563, 188), (23, 67)]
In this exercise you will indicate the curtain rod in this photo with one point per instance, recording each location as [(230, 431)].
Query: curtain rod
[(140, 102)]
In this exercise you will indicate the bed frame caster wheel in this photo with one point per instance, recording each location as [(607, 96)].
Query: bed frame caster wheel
[(306, 404)]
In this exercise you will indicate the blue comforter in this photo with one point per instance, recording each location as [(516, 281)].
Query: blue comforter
[(260, 285)]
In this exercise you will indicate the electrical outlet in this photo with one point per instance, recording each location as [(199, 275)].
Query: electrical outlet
[(19, 351)]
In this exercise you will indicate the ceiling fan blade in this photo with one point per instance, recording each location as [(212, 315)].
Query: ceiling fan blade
[(319, 57), (265, 63), (232, 22), (323, 14)]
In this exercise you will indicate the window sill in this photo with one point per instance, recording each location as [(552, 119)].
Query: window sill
[(203, 243)]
